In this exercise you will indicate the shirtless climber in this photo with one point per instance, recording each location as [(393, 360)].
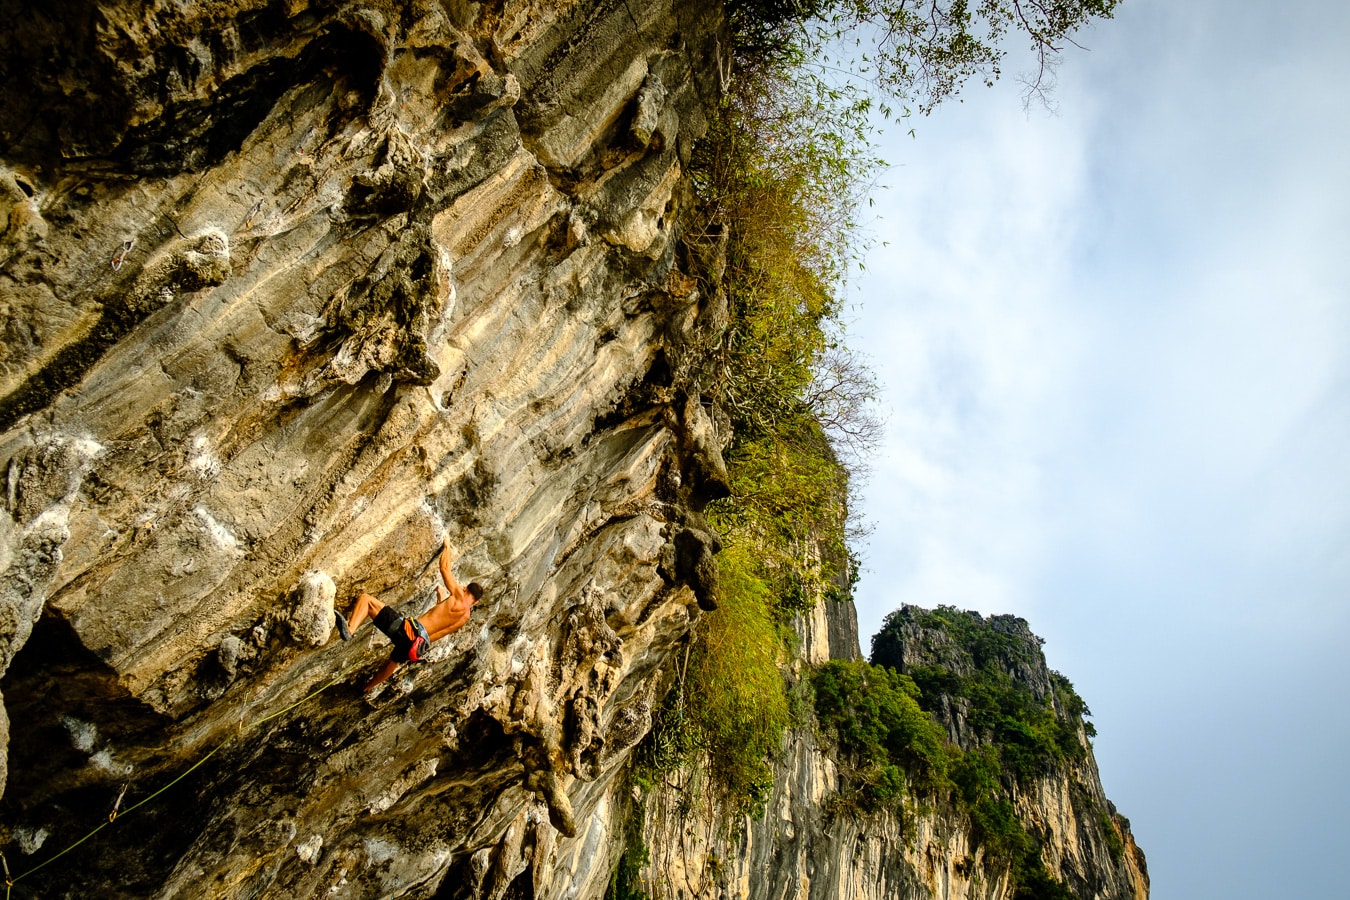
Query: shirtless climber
[(412, 637)]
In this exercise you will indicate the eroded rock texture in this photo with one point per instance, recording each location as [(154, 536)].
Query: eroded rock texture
[(287, 290)]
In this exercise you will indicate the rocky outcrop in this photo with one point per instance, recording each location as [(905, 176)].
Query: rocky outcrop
[(811, 843), (288, 290)]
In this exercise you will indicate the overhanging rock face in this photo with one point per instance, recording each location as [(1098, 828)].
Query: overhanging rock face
[(288, 290)]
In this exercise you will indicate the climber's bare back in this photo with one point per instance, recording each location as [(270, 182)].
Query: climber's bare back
[(449, 614), (453, 601)]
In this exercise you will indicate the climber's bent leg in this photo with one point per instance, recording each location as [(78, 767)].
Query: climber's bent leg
[(367, 607)]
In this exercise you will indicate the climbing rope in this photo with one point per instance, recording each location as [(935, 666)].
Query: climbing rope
[(116, 816)]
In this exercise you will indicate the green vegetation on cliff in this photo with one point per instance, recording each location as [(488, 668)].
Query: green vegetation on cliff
[(891, 720), (974, 666), (779, 171), (778, 176), (738, 705), (886, 738), (781, 176)]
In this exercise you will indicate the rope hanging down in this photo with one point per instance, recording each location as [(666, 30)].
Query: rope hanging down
[(115, 816)]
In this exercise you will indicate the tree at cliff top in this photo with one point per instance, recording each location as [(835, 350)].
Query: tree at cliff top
[(923, 50)]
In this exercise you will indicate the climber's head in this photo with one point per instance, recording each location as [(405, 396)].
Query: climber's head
[(476, 589)]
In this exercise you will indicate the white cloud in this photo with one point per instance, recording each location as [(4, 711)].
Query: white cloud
[(964, 317), (1116, 350)]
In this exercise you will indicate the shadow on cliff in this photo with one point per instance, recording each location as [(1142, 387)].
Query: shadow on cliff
[(184, 111)]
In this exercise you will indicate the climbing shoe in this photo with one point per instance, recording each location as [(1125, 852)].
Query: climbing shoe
[(342, 626)]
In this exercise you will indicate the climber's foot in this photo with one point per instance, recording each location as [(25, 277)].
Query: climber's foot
[(342, 626)]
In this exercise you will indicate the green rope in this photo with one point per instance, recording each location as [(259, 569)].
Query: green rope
[(115, 815)]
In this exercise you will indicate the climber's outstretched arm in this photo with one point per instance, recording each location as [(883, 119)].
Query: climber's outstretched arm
[(447, 557)]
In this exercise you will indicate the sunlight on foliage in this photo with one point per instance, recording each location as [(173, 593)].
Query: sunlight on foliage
[(739, 706), (781, 168), (781, 177)]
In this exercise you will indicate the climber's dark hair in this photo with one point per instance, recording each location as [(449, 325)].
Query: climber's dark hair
[(476, 589)]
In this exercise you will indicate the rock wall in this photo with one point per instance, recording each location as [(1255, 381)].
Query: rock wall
[(288, 290)]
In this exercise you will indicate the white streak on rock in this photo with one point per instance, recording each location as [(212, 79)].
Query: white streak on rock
[(203, 461), (221, 536), (310, 848), (83, 735)]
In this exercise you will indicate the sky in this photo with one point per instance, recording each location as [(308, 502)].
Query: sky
[(1115, 348)]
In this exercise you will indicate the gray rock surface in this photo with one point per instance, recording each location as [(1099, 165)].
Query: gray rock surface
[(286, 292), (311, 619)]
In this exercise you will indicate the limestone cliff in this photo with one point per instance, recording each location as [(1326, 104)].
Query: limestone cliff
[(288, 290), (811, 843)]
